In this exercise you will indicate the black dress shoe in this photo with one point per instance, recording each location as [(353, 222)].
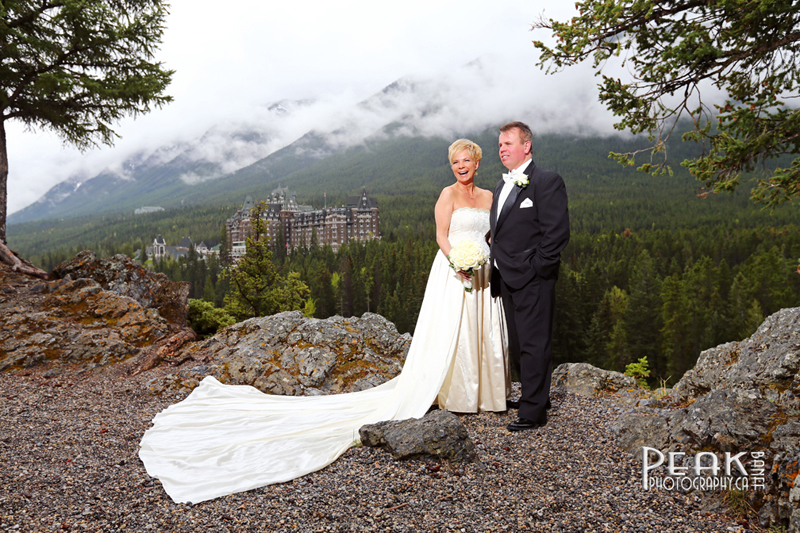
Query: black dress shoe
[(523, 424)]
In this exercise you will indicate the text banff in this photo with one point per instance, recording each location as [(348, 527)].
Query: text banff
[(710, 473)]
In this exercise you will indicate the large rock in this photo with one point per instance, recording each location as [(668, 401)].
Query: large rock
[(439, 434), (588, 380), (292, 355), (769, 360), (124, 276), (723, 420), (739, 397), (75, 320)]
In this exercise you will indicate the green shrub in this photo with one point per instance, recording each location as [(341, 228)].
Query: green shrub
[(206, 320), (639, 371)]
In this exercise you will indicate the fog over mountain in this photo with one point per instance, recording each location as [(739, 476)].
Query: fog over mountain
[(327, 64), (470, 98)]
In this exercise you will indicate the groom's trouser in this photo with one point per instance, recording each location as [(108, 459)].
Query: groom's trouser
[(529, 316)]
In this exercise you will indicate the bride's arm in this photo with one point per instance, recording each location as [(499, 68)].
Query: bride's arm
[(443, 212)]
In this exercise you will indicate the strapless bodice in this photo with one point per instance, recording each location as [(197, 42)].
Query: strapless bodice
[(469, 223)]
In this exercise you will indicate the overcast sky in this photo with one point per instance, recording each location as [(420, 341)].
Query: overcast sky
[(231, 62)]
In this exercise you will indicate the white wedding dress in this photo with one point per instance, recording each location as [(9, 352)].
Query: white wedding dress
[(224, 439)]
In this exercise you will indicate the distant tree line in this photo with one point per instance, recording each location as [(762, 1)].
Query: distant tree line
[(622, 295), (669, 295), (651, 269), (664, 295)]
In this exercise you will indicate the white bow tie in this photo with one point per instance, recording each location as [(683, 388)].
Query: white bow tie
[(512, 176)]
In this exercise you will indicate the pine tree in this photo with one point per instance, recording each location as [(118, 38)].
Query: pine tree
[(616, 349), (77, 67), (256, 287), (748, 49), (568, 344), (642, 322), (209, 294), (674, 331)]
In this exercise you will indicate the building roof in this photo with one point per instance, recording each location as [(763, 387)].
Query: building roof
[(362, 202), (247, 206)]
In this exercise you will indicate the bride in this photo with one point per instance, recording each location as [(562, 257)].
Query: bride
[(478, 376), (224, 439)]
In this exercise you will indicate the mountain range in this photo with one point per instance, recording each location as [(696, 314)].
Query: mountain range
[(394, 145), (299, 143)]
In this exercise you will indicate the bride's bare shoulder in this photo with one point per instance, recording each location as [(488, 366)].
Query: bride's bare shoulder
[(447, 194), (445, 204), (485, 198), (485, 193), (448, 191)]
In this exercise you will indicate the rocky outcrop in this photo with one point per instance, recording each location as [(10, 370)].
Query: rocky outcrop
[(124, 276), (292, 355), (768, 361), (86, 321), (728, 420), (588, 380), (439, 433), (739, 397)]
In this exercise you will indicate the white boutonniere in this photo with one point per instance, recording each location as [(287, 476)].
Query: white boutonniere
[(518, 178)]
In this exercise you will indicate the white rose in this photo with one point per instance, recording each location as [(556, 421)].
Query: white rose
[(467, 255)]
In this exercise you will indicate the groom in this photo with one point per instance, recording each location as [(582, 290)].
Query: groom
[(529, 229)]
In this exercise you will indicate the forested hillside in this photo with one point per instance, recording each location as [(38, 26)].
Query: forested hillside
[(653, 269)]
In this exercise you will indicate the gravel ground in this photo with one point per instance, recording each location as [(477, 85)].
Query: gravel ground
[(68, 461)]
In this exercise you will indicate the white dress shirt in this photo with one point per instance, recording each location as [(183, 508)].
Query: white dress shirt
[(506, 190), (507, 186)]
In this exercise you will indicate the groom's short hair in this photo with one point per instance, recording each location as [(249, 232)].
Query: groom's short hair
[(525, 133)]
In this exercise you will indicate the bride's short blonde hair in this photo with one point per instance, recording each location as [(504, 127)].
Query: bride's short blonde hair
[(465, 144)]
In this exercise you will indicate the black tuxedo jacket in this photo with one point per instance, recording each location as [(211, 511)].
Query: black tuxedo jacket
[(527, 241)]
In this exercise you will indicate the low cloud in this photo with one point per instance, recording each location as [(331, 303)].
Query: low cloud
[(274, 73), (470, 98)]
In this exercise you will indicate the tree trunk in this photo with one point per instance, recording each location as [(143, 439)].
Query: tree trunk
[(3, 182), (10, 258), (7, 256)]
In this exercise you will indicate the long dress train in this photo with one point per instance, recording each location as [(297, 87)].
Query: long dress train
[(224, 439)]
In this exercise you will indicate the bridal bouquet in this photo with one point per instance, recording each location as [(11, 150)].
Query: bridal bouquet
[(467, 256)]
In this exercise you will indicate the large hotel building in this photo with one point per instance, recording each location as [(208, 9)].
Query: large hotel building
[(358, 220)]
